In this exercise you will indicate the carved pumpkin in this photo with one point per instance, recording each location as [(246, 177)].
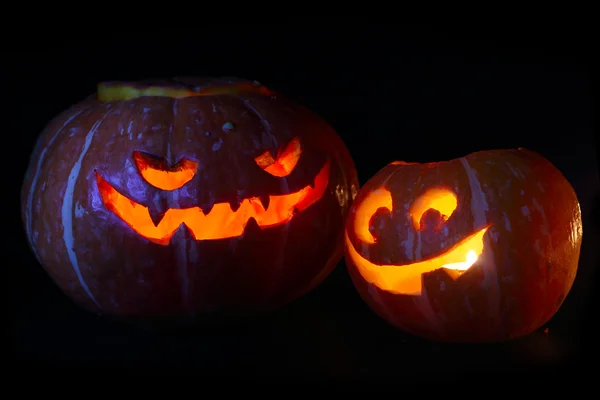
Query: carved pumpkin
[(480, 248), (152, 199)]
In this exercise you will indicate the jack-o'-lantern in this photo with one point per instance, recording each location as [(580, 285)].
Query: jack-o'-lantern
[(192, 195), (480, 248)]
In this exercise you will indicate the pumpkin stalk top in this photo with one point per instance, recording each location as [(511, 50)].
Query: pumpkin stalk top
[(177, 88)]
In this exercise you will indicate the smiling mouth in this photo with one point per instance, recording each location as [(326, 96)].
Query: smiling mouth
[(408, 279), (222, 221)]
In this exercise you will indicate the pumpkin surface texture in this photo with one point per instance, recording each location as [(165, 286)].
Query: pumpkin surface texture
[(188, 195), (480, 248)]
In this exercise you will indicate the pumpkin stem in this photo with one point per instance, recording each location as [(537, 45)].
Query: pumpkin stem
[(123, 91)]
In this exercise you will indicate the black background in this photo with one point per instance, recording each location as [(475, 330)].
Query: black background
[(393, 92)]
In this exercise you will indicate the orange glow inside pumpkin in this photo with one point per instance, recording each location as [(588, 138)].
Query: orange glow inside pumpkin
[(440, 199), (285, 162), (221, 222), (159, 175), (407, 279)]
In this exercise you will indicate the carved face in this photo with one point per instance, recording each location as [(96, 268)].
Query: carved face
[(186, 196), (428, 214), (466, 250), (221, 221)]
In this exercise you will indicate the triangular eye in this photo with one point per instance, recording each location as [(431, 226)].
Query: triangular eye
[(284, 163)]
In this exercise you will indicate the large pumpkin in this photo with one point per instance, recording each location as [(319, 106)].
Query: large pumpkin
[(480, 248), (165, 198)]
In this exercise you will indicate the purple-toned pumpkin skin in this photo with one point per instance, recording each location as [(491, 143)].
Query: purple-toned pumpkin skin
[(107, 267)]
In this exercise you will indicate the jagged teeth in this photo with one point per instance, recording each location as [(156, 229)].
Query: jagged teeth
[(157, 210), (207, 207), (265, 200), (235, 204), (251, 227), (156, 216)]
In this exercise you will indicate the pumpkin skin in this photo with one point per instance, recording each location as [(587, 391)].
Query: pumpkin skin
[(512, 206), (110, 155)]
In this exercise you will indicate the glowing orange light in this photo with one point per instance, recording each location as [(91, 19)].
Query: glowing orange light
[(221, 222), (379, 198), (407, 279), (440, 199), (159, 175), (285, 162)]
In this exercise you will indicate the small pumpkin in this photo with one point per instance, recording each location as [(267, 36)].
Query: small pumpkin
[(174, 197), (479, 248)]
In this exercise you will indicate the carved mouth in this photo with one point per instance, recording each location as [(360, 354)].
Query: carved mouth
[(221, 221), (407, 279)]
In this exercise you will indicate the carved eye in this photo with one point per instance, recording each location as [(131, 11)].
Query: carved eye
[(157, 173), (284, 163)]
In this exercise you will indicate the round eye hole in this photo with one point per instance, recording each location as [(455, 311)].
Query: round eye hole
[(284, 163)]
